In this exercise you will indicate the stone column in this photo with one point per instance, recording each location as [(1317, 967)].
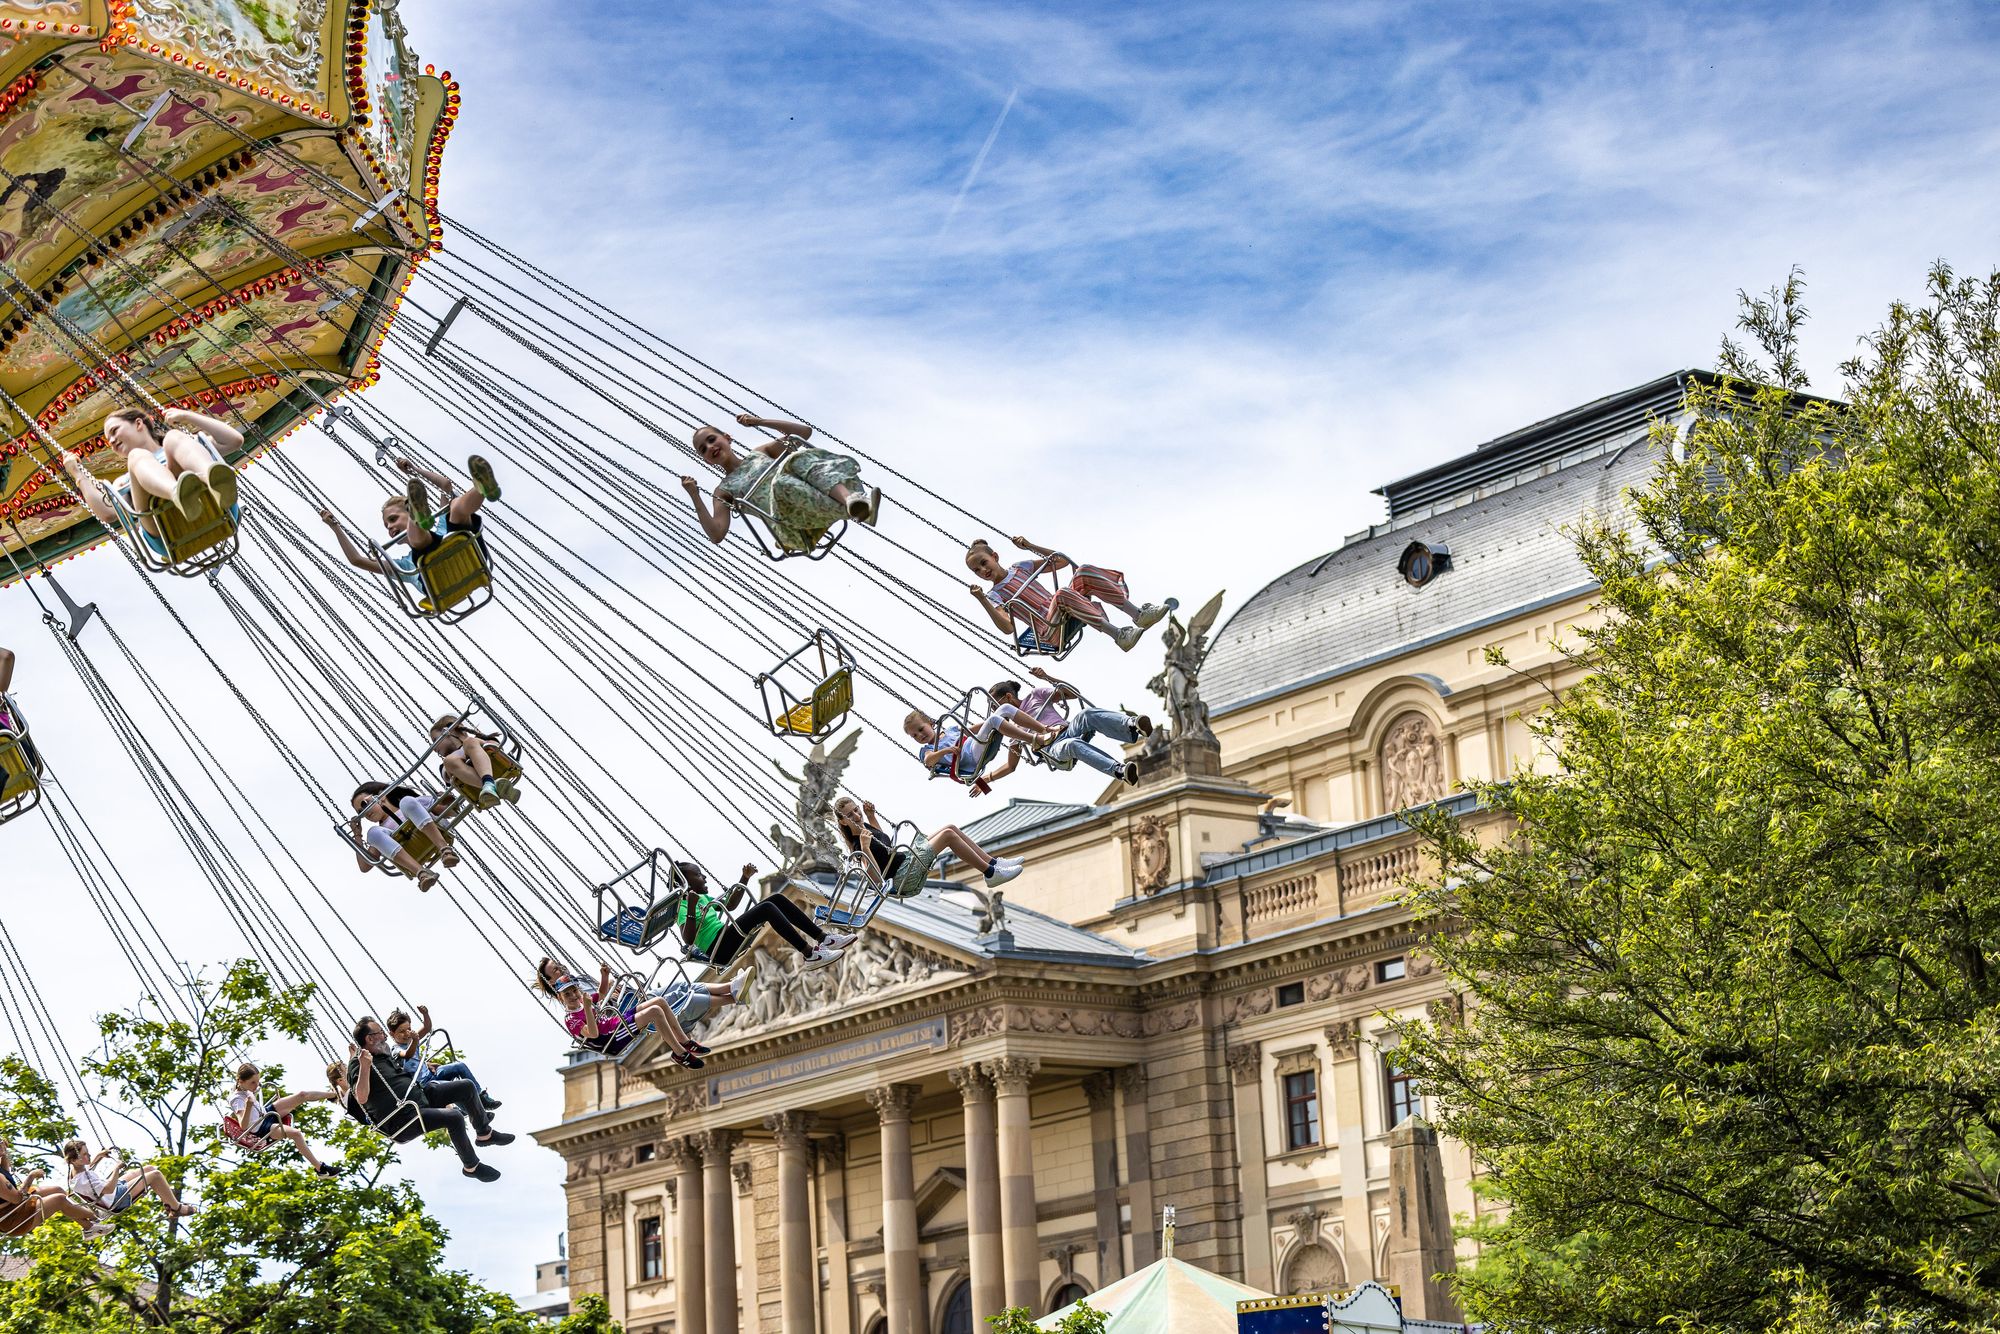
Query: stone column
[(795, 1243), (1018, 1230), (719, 1201), (1421, 1249), (982, 1195), (690, 1240), (1098, 1089), (1139, 1167), (1246, 1073), (1342, 1116), (904, 1298), (616, 1273), (832, 1153)]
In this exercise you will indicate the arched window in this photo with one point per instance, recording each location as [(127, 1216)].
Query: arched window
[(1066, 1294), (958, 1311), (879, 1325)]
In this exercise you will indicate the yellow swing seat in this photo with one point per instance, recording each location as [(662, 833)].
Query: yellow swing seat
[(18, 776), (454, 573), (831, 701)]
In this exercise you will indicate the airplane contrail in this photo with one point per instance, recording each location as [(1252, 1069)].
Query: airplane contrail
[(972, 173)]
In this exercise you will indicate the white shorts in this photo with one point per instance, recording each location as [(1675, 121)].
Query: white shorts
[(382, 837)]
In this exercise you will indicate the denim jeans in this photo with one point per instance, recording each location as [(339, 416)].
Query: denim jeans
[(456, 1070), (1074, 743)]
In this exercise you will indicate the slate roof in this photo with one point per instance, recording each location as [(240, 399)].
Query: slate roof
[(952, 920), (1502, 511), (1020, 815)]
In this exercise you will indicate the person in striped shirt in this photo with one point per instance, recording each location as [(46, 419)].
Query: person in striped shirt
[(1020, 606)]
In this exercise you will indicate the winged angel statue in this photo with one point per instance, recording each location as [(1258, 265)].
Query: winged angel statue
[(1187, 646)]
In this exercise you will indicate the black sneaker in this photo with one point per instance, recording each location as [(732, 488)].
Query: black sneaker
[(484, 1172), (328, 1170), (1129, 771), (489, 1102), (494, 1139)]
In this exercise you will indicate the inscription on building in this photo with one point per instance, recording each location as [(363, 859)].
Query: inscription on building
[(927, 1036)]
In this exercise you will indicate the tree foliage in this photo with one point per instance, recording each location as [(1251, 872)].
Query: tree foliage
[(1082, 1319), (274, 1248), (1735, 1060)]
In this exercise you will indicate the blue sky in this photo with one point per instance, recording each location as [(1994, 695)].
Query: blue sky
[(1223, 269)]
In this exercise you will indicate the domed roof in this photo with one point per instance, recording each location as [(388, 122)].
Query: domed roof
[(1494, 526)]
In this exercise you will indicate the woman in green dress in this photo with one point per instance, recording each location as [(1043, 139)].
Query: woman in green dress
[(799, 490)]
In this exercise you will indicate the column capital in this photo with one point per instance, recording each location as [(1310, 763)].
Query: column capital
[(715, 1146), (1097, 1090), (1132, 1081), (831, 1150), (971, 1082), (893, 1102), (1245, 1059), (1010, 1074), (790, 1128), (1343, 1038), (682, 1154), (612, 1202)]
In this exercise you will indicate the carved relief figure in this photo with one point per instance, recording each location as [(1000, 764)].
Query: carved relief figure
[(1151, 855), (1412, 763), (782, 991)]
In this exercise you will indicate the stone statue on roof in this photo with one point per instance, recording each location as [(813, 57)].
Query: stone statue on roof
[(816, 847), (1178, 678)]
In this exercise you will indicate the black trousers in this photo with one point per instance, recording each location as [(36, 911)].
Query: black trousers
[(462, 1109), (783, 916)]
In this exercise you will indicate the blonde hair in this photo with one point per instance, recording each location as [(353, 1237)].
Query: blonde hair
[(915, 716), (72, 1150), (398, 503)]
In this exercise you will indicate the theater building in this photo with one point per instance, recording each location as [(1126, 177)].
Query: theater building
[(1186, 1001)]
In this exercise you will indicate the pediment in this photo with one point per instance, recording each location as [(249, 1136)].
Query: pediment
[(941, 1199)]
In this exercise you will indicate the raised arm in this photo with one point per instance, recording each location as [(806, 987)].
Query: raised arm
[(739, 891), (1056, 560), (354, 555), (91, 490), (1064, 690), (1002, 620), (436, 479), (225, 436), (778, 424), (714, 522), (423, 1012)]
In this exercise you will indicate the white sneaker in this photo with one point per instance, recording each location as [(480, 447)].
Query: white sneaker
[(1002, 872), (1152, 614), (820, 958), (836, 940), (741, 983), (1128, 637)]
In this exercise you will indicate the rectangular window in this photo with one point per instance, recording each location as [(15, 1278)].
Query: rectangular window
[(1403, 1099), (1388, 970), (650, 1254), (645, 1154), (1302, 1110), (1292, 993)]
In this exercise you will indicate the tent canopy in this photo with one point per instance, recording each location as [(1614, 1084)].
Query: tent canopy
[(1168, 1296)]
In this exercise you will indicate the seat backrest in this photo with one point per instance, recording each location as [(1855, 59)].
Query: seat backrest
[(453, 572), (833, 698), (17, 776)]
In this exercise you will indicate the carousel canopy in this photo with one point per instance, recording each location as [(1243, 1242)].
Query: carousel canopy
[(219, 200)]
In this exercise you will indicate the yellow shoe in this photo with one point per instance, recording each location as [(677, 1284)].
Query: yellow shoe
[(222, 481), (190, 494)]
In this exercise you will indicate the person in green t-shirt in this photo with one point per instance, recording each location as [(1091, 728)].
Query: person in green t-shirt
[(709, 935)]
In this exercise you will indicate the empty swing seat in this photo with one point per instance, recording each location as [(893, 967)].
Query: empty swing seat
[(810, 692)]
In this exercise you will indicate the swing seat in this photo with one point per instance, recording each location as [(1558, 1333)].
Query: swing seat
[(627, 927), (178, 544), (234, 1131), (505, 766), (456, 572), (1028, 644), (625, 905), (20, 777), (810, 696), (411, 838), (18, 1219)]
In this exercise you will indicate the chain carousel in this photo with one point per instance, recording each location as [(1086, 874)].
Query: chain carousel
[(189, 190)]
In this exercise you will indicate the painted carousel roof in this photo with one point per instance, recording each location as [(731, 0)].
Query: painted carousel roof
[(222, 199)]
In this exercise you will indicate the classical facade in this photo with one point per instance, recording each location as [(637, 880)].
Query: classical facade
[(1188, 1000)]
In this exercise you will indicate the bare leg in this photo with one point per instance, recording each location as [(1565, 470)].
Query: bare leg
[(458, 771), (480, 762), (840, 492), (954, 840), (186, 454), (150, 475), (656, 1013), (463, 506), (54, 1201), (149, 1176), (291, 1102), (298, 1139)]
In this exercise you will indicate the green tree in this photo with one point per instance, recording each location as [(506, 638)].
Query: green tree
[(274, 1249), (1084, 1319), (1734, 1059)]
